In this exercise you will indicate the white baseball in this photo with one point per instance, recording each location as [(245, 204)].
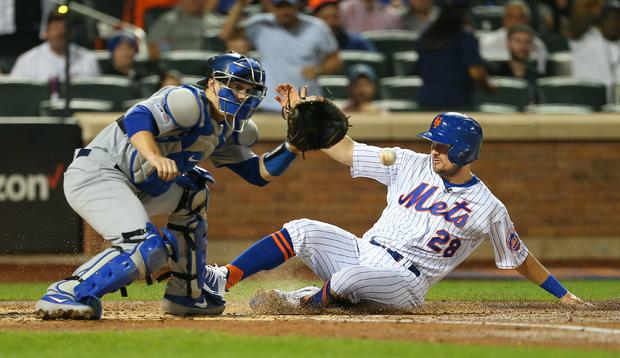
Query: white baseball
[(387, 156)]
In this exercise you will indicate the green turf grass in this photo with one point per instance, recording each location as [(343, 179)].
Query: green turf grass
[(448, 290), (187, 343)]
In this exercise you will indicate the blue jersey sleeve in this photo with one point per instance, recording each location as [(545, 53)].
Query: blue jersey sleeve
[(140, 119), (249, 170)]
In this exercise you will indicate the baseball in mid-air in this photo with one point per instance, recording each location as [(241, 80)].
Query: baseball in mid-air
[(387, 156)]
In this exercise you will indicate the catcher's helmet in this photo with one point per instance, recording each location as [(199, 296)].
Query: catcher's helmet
[(461, 132), (232, 67)]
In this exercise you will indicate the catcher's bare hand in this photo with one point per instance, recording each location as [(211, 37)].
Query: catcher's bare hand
[(166, 168), (571, 300)]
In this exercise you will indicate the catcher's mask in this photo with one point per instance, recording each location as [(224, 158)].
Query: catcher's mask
[(233, 67), (461, 132)]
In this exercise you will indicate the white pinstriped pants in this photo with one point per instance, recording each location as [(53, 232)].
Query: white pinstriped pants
[(358, 270)]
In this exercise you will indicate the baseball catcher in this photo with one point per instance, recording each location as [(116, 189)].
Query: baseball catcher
[(145, 164)]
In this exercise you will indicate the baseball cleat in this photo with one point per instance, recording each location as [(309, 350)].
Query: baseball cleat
[(62, 306), (215, 280), (282, 302), (205, 305)]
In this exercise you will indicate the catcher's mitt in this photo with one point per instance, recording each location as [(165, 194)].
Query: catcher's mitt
[(315, 123)]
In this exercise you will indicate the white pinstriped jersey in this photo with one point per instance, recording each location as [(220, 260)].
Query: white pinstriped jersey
[(432, 226)]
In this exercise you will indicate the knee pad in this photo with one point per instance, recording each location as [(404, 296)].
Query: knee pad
[(115, 268), (188, 270), (192, 202), (196, 192)]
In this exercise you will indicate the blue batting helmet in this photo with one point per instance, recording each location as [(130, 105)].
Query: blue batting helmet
[(231, 67), (461, 132)]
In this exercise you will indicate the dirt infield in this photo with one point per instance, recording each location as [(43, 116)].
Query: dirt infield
[(497, 323)]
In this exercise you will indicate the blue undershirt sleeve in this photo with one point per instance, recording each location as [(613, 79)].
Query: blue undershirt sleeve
[(249, 170), (140, 119)]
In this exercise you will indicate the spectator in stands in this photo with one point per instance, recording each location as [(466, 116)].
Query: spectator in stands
[(47, 61), (362, 90), (124, 48), (294, 47), (182, 28), (368, 15), (557, 19), (583, 15), (449, 62), (520, 44), (328, 11), (596, 52), (420, 15), (493, 44)]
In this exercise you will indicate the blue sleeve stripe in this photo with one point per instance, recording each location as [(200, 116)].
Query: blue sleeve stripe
[(140, 119), (248, 170)]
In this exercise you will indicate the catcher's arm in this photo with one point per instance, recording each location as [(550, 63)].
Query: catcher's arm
[(284, 156), (534, 271)]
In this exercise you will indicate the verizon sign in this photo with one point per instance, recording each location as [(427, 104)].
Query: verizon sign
[(35, 215), (30, 187)]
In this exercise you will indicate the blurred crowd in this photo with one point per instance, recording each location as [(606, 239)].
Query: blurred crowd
[(456, 48)]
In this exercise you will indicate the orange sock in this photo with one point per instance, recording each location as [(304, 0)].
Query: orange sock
[(235, 275)]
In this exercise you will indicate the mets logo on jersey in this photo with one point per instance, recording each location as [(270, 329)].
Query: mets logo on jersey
[(513, 241), (458, 213), (437, 121)]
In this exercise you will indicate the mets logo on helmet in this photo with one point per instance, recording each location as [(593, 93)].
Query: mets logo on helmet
[(437, 121), (513, 241)]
